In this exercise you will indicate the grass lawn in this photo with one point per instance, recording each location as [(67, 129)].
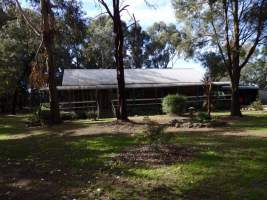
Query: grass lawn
[(75, 161)]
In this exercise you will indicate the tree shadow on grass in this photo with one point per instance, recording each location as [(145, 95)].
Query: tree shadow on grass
[(61, 166), (16, 126), (250, 122)]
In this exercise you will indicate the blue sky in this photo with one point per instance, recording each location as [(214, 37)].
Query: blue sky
[(145, 15)]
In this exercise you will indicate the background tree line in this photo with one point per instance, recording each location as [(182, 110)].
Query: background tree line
[(226, 35), (80, 42)]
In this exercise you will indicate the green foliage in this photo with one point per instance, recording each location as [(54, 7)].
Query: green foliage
[(257, 105), (203, 117), (91, 115), (98, 53), (256, 71), (85, 115), (34, 118), (207, 174), (17, 46), (155, 134), (174, 104), (204, 20), (137, 40), (4, 16), (68, 115), (162, 46), (214, 65), (81, 114), (44, 113)]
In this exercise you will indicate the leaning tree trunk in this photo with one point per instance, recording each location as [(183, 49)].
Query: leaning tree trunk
[(48, 40), (119, 39)]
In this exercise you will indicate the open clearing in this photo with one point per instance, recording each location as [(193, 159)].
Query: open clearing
[(77, 160)]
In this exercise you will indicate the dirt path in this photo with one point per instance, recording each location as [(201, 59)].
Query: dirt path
[(135, 126)]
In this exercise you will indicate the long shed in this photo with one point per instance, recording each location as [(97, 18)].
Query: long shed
[(96, 89)]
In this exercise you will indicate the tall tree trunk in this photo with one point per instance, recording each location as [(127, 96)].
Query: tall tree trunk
[(209, 98), (2, 105), (48, 39), (235, 100), (119, 39), (14, 102)]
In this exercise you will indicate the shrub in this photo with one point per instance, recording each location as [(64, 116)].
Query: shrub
[(68, 115), (91, 115), (34, 118), (257, 105), (40, 115), (174, 104), (155, 134), (44, 113), (203, 117), (81, 114)]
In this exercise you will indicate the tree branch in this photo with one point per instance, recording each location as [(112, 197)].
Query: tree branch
[(258, 37), (124, 7), (107, 8), (27, 20), (219, 45), (227, 32)]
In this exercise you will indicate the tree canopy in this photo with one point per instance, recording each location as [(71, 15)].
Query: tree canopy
[(231, 28)]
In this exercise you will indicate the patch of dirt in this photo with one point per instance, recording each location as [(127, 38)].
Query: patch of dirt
[(147, 155)]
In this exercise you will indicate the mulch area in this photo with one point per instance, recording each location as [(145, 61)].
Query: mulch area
[(151, 156)]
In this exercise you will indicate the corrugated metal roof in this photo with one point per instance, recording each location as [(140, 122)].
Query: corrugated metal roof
[(133, 77)]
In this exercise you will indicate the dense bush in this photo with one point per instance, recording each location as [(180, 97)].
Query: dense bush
[(155, 134), (174, 104), (203, 117), (34, 119), (91, 115), (68, 115), (44, 113), (41, 114), (86, 115), (81, 114), (257, 105)]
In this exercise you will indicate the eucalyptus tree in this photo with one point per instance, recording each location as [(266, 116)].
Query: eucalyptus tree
[(215, 71), (99, 50), (4, 17), (161, 49), (71, 36), (226, 27), (115, 15), (137, 39), (45, 53), (62, 30), (17, 50), (256, 70)]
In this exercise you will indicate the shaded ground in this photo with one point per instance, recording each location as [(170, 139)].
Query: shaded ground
[(76, 161), (151, 156)]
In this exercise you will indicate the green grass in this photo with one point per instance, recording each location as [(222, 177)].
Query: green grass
[(56, 166), (254, 120)]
